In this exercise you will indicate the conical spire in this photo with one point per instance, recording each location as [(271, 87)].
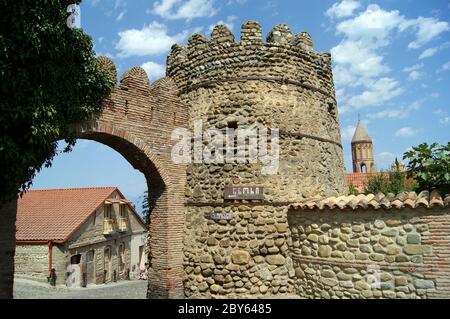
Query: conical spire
[(361, 134)]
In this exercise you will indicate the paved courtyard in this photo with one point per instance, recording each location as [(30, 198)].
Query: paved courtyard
[(28, 289)]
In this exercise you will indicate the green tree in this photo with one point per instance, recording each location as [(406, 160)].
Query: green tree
[(352, 189), (429, 165), (377, 183), (49, 79), (393, 181), (397, 179)]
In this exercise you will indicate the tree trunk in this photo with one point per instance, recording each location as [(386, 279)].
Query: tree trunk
[(7, 248)]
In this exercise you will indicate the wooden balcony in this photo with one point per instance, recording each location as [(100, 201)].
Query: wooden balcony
[(108, 227)]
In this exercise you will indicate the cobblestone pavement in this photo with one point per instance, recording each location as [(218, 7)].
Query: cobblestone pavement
[(28, 289)]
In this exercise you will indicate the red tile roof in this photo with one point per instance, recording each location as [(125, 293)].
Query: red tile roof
[(54, 214), (359, 180)]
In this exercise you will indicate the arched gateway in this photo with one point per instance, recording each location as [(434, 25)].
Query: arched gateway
[(137, 120)]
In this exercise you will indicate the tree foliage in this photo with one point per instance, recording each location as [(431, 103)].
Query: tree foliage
[(429, 165), (352, 189), (393, 181), (49, 79)]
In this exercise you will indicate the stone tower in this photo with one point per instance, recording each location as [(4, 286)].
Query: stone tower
[(362, 151), (281, 83)]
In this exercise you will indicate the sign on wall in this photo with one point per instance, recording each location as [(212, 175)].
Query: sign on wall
[(243, 192), (221, 216)]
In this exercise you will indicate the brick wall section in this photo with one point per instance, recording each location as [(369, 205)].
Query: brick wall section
[(437, 261), (137, 121)]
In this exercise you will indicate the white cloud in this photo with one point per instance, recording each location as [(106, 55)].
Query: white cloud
[(359, 57), (343, 9), (154, 70), (392, 114), (444, 118), (120, 16), (100, 40), (372, 27), (150, 40), (428, 53), (444, 67), (399, 113), (414, 67), (432, 51), (347, 132), (240, 2), (414, 72), (229, 22), (415, 75), (405, 132), (188, 10), (377, 93), (435, 95), (427, 30)]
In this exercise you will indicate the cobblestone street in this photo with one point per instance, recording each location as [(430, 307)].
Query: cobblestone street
[(28, 289)]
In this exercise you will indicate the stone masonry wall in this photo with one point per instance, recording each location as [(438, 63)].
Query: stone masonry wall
[(279, 84), (31, 261), (371, 254), (247, 256)]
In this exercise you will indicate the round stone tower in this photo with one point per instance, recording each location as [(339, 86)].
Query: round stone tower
[(283, 85)]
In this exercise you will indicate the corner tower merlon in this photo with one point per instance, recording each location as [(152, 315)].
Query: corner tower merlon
[(280, 34), (221, 34), (303, 40), (251, 33)]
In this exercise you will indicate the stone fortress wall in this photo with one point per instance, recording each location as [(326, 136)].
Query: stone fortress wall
[(281, 84), (397, 249), (290, 243)]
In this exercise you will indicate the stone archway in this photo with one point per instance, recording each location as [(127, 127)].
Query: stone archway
[(137, 120)]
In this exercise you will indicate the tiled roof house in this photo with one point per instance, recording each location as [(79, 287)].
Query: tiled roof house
[(89, 230)]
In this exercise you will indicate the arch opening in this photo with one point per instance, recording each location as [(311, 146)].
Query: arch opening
[(363, 168)]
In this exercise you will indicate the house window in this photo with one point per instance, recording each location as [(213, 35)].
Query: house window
[(123, 220), (90, 256), (122, 257), (108, 211), (107, 223)]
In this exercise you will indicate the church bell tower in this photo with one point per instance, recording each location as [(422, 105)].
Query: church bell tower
[(362, 151)]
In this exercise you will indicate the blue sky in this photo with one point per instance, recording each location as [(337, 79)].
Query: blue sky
[(391, 62)]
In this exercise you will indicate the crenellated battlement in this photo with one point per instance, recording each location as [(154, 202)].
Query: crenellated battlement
[(281, 55), (136, 79)]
